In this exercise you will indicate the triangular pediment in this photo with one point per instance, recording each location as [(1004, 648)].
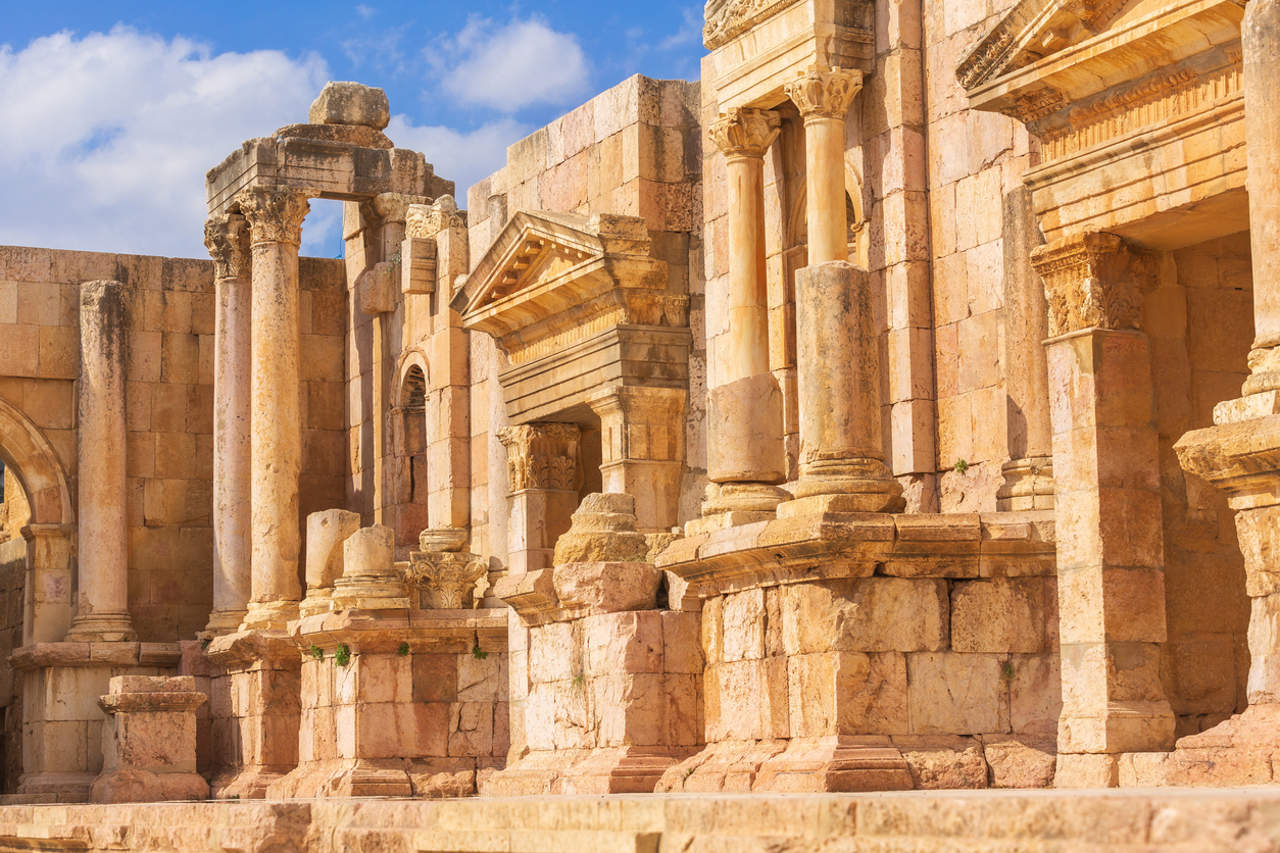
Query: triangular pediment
[(1034, 29)]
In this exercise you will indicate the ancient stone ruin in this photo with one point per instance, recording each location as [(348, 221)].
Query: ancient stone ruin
[(897, 407)]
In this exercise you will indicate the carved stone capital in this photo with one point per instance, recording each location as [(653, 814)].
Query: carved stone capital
[(745, 132), (394, 207), (542, 456), (274, 216), (825, 93), (724, 19), (1093, 281), (428, 220), (226, 236), (445, 580)]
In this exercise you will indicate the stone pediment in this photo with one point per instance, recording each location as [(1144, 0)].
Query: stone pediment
[(552, 279), (727, 18)]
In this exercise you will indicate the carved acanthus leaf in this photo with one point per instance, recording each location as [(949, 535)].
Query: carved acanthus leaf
[(1093, 281), (725, 19)]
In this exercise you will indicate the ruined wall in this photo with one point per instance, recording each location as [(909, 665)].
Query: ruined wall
[(169, 404), (633, 150), (13, 572)]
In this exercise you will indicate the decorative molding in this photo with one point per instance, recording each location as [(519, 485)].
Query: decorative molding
[(825, 93), (724, 19), (428, 220), (745, 132), (542, 456), (274, 216), (1093, 281), (226, 237)]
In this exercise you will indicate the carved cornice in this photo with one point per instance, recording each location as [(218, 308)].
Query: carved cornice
[(428, 220), (542, 456), (1093, 281), (274, 216), (724, 19), (825, 93), (745, 132), (226, 235)]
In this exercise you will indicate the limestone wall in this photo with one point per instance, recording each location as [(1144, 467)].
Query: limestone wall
[(169, 404), (13, 570), (14, 509)]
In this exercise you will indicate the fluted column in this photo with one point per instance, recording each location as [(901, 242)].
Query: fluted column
[(275, 223), (745, 458), (102, 595), (1260, 41), (227, 237), (823, 96)]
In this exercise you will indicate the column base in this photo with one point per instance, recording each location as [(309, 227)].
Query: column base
[(606, 770), (273, 616), (836, 763), (101, 628), (63, 787), (1028, 484), (742, 497), (223, 622), (1120, 727), (134, 785)]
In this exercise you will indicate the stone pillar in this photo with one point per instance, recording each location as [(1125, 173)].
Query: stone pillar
[(149, 741), (838, 372), (823, 97), (226, 236), (275, 223), (1109, 518), (47, 597), (642, 441), (542, 472), (102, 597), (745, 458), (1260, 41), (1028, 475)]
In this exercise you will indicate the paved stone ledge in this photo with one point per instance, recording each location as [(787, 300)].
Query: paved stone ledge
[(1179, 819)]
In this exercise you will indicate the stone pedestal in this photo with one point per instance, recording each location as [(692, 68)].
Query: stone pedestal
[(1109, 518), (326, 532), (543, 478), (61, 720), (102, 595), (254, 711), (642, 441), (227, 239), (613, 685), (149, 741)]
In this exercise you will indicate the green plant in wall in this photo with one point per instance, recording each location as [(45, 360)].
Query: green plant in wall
[(961, 466), (579, 680), (403, 651), (1006, 671), (316, 652), (342, 654)]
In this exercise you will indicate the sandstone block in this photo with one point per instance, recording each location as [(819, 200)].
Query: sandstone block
[(623, 642), (956, 694), (342, 102), (866, 615), (998, 616)]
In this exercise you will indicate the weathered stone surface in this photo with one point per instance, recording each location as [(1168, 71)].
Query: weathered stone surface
[(350, 103)]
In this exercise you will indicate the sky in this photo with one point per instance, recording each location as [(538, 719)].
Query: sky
[(114, 111)]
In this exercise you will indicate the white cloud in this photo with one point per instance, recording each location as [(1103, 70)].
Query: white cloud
[(464, 157), (365, 12), (107, 138), (511, 67)]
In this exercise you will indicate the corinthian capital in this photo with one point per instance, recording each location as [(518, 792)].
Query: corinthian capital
[(745, 132), (1093, 281), (274, 216), (226, 236), (825, 93)]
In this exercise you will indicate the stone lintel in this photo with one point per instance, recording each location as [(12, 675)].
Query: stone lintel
[(251, 648), (1242, 458), (786, 550), (43, 655), (382, 631)]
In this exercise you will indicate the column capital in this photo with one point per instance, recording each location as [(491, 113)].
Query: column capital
[(428, 220), (542, 456), (394, 207), (745, 132), (1094, 280), (824, 92), (274, 215), (226, 237)]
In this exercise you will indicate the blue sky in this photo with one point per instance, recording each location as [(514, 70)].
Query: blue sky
[(114, 111)]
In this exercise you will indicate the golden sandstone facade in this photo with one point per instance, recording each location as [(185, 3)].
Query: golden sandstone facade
[(890, 409)]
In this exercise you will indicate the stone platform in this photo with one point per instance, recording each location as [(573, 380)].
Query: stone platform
[(1182, 819)]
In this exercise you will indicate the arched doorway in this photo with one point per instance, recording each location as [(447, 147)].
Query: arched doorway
[(409, 423)]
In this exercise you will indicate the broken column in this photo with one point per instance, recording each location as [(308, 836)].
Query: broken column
[(745, 457), (275, 223), (642, 446), (226, 236), (102, 599), (1109, 517), (543, 478), (149, 741), (614, 683), (327, 530)]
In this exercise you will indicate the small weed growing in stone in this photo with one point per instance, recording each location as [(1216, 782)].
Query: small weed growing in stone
[(204, 644), (578, 680), (316, 652), (961, 466), (477, 653), (403, 651), (1006, 671), (342, 654)]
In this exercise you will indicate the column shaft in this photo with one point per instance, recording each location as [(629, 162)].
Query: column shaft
[(227, 239), (275, 221), (748, 294), (102, 600), (1260, 41)]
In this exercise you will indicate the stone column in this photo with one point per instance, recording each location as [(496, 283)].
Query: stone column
[(542, 470), (1260, 40), (823, 97), (102, 596), (47, 597), (745, 457), (275, 223), (642, 442), (1028, 475), (838, 388), (226, 236), (1109, 518)]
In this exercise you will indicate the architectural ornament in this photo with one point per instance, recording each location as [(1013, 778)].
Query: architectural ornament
[(1093, 281), (225, 235), (542, 456), (274, 216), (745, 132), (825, 92)]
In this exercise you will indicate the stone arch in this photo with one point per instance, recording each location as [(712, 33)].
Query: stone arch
[(411, 437), (25, 449)]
